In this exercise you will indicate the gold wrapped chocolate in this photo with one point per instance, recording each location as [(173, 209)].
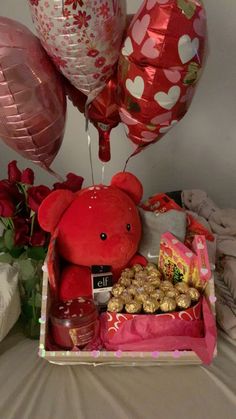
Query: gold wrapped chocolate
[(132, 290), (117, 290), (172, 293), (141, 296), (157, 294), (126, 297), (182, 287), (137, 267), (148, 288), (150, 267), (183, 301), (167, 304), (166, 286), (133, 307), (150, 305), (125, 281), (138, 282), (141, 275), (154, 274), (156, 282), (115, 305), (128, 273), (194, 294)]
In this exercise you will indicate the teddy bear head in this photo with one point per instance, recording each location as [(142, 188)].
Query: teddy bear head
[(99, 225)]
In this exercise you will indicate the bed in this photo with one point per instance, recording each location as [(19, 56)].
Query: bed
[(31, 388)]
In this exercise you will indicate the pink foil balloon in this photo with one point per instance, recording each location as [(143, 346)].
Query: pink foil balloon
[(82, 37), (32, 98)]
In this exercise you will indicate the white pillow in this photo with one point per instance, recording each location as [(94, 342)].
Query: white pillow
[(10, 307)]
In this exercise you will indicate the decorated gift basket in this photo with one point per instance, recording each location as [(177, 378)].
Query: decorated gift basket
[(125, 281)]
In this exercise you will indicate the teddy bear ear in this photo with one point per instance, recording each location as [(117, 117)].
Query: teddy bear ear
[(128, 183), (53, 207)]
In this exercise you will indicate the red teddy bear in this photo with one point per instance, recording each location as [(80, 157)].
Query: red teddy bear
[(99, 225)]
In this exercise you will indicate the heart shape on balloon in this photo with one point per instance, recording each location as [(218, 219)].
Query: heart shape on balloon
[(127, 49), (149, 50), (172, 75), (135, 87), (168, 100), (199, 24), (187, 48), (148, 136), (139, 29), (163, 129)]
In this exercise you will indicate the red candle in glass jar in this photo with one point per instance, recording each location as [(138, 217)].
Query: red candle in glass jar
[(74, 322)]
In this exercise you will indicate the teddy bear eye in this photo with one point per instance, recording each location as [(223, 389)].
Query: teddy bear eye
[(128, 227), (103, 236)]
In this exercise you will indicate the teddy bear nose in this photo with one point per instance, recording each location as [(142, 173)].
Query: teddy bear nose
[(103, 236)]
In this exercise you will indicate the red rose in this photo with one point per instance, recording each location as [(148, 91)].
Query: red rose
[(22, 231), (7, 207), (27, 177), (11, 190), (14, 174), (73, 183), (38, 238), (36, 195)]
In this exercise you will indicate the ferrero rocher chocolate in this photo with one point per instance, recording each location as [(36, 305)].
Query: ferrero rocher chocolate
[(154, 281), (126, 297), (148, 288), (151, 266), (125, 281), (132, 290), (167, 304), (183, 301), (166, 286), (141, 296), (172, 293), (150, 305), (133, 307), (138, 282), (128, 273), (154, 274), (117, 290), (157, 294), (137, 267), (194, 294), (141, 275), (182, 287), (115, 305)]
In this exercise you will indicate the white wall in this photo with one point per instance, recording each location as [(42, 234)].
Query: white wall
[(200, 152)]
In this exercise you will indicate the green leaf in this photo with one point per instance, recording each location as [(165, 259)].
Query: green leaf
[(27, 269), (29, 286), (6, 258), (37, 253), (16, 252), (9, 239), (2, 245)]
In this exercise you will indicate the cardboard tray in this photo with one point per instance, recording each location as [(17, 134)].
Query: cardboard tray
[(99, 358)]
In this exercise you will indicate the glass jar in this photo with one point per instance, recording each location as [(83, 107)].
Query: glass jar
[(74, 323)]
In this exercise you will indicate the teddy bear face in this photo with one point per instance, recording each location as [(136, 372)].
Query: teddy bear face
[(101, 227)]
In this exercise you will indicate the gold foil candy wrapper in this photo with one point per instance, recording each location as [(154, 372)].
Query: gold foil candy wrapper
[(137, 267), (115, 305), (182, 287), (166, 286), (194, 294), (128, 273), (141, 296), (156, 282), (183, 301), (117, 290), (125, 281), (150, 306), (133, 307), (148, 288), (150, 267), (138, 282), (167, 304), (155, 274), (157, 294), (141, 275), (126, 297), (172, 293), (132, 290)]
